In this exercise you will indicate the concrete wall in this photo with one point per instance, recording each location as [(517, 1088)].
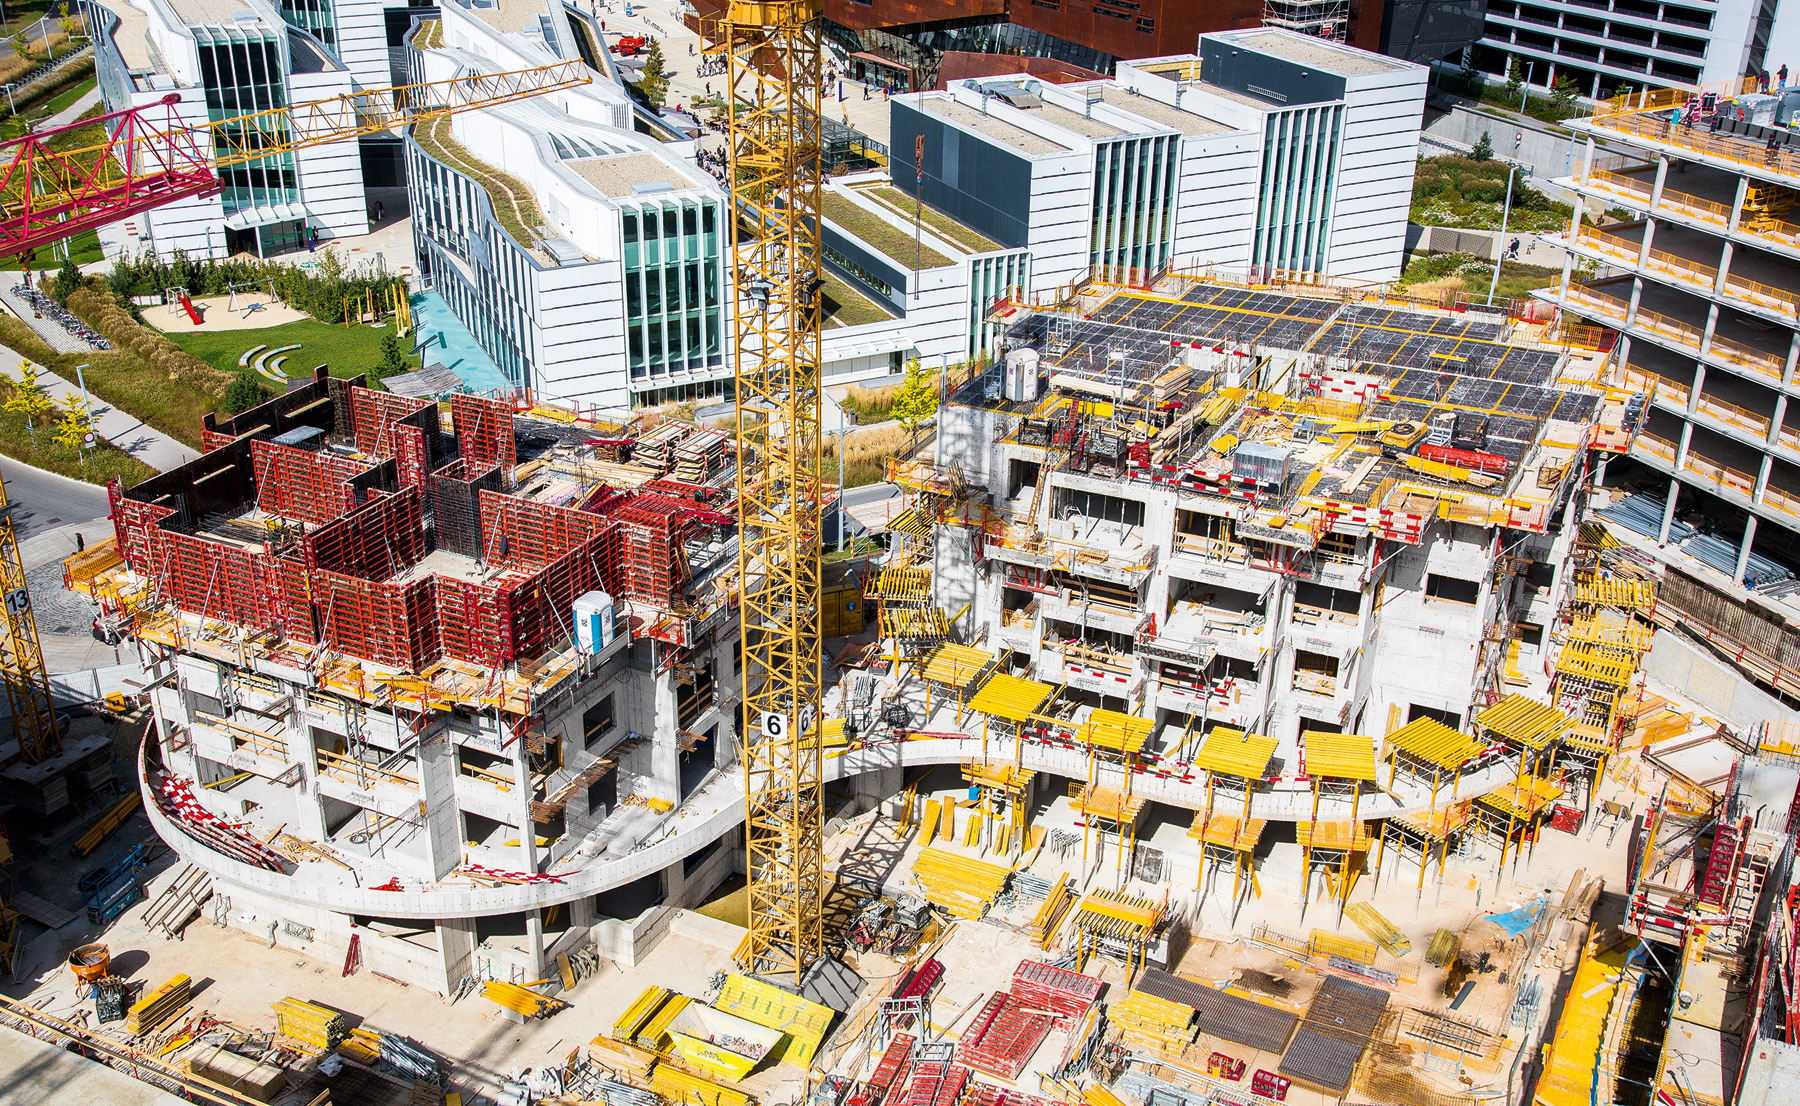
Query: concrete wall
[(1712, 683)]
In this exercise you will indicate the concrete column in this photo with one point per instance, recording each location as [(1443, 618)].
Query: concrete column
[(534, 938), (1693, 403), (437, 782), (1724, 268), (1600, 470), (1778, 419), (456, 944), (1662, 177), (1637, 293), (1644, 246), (1712, 326), (309, 808), (581, 912), (1737, 206), (1793, 356), (1681, 447), (872, 788), (1762, 478), (522, 810), (1743, 561), (1662, 535)]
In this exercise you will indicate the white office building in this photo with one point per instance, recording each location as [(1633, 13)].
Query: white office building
[(224, 58), (1292, 154), (1606, 46), (584, 257)]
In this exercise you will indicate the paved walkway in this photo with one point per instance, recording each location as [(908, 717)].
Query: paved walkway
[(49, 330), (74, 111), (127, 432)]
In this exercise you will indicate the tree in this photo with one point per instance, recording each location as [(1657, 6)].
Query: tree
[(77, 423), (28, 397), (1484, 148), (654, 84), (70, 25), (243, 393), (1562, 96), (393, 359), (22, 45), (1515, 80), (916, 400), (68, 279)]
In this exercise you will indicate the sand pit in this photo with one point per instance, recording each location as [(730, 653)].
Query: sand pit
[(216, 314)]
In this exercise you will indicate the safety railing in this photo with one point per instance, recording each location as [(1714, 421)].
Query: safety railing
[(1656, 446), (1721, 476), (1741, 151), (1788, 436), (1785, 502), (1683, 268), (1732, 413), (1644, 382), (1769, 364), (1766, 295), (1707, 211)]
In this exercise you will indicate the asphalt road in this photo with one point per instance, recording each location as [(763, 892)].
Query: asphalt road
[(46, 500)]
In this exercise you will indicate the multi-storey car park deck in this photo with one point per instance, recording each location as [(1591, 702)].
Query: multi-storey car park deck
[(415, 669)]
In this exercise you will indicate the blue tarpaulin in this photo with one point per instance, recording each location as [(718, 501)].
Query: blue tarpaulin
[(1515, 922)]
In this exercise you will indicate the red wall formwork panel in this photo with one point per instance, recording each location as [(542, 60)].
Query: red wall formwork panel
[(468, 614), (133, 523), (484, 431), (392, 624), (378, 539), (542, 607), (536, 534), (374, 414), (413, 454), (301, 484), (215, 580)]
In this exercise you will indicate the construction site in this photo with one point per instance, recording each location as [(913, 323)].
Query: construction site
[(1251, 702)]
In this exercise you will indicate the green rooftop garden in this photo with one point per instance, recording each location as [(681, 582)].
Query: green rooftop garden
[(880, 234), (903, 205)]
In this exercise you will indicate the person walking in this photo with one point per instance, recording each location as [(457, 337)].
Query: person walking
[(1781, 76)]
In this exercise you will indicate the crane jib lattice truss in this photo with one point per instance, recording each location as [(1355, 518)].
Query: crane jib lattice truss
[(772, 54), (151, 156)]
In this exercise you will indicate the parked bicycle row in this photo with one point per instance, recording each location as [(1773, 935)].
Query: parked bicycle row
[(57, 313)]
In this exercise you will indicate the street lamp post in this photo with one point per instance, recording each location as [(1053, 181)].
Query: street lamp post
[(1500, 252)]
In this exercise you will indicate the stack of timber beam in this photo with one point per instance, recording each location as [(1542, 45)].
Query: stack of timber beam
[(964, 886), (319, 1028), (679, 1085), (157, 1007), (1003, 1037), (1050, 914), (699, 455), (657, 449), (1153, 1024), (1046, 987), (622, 1056)]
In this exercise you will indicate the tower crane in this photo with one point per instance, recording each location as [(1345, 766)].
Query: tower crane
[(150, 157), (772, 54)]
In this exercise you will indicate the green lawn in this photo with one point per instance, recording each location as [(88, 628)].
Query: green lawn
[(845, 306), (348, 350), (899, 202), (84, 248), (69, 95)]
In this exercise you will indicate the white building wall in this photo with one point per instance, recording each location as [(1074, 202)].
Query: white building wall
[(1061, 226), (1373, 197), (331, 181), (362, 40)]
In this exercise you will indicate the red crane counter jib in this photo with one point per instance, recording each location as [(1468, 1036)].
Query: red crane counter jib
[(149, 158)]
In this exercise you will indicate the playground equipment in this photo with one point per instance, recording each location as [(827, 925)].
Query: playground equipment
[(374, 307), (242, 305), (178, 297)]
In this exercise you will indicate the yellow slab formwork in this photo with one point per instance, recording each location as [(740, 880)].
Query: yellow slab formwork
[(1593, 662), (1523, 720), (688, 1089), (1123, 916), (803, 1021), (902, 585), (1010, 698), (1230, 752), (956, 667), (1339, 756), (1522, 801), (1589, 739), (1110, 729), (1438, 823), (1611, 630), (1614, 591), (1001, 777), (1227, 831), (1091, 800), (914, 623), (1431, 741), (1332, 835), (910, 523)]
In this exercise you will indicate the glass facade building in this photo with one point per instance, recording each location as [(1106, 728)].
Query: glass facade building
[(673, 322), (316, 17), (1299, 174), (241, 68), (1133, 206)]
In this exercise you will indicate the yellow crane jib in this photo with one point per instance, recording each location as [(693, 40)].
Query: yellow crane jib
[(22, 657)]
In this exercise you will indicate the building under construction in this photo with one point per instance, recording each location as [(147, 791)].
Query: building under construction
[(459, 681)]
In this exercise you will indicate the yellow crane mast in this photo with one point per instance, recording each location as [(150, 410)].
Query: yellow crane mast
[(22, 657), (772, 54)]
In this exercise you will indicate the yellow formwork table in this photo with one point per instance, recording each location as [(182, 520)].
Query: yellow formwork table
[(1522, 720), (955, 666), (1591, 661), (1431, 741), (1339, 756), (1010, 698), (902, 585), (1110, 729), (1230, 752)]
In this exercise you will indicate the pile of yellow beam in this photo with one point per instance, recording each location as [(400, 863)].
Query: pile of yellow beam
[(1050, 913), (525, 1003), (1323, 943), (964, 886), (319, 1028), (655, 1033), (639, 1012), (1117, 915), (158, 1006), (111, 820), (1376, 925), (689, 1089), (1153, 1023)]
